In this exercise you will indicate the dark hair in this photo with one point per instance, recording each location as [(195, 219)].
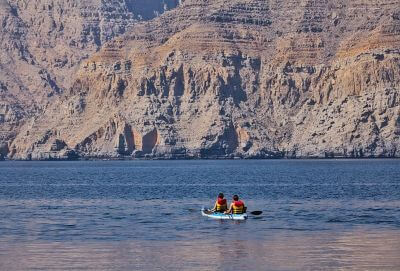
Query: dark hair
[(235, 197), (221, 195)]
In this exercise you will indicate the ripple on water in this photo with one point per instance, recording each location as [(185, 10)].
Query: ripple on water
[(350, 250), (142, 215)]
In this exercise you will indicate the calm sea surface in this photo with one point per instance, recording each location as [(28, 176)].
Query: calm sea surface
[(145, 215)]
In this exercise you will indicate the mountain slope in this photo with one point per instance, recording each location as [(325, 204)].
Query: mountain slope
[(43, 41), (235, 78)]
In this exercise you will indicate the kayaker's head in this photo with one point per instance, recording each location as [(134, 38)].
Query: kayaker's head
[(235, 197), (220, 195)]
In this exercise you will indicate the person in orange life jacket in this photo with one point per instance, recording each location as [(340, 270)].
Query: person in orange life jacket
[(237, 206), (220, 205)]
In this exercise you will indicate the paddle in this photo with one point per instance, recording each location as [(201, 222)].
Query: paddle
[(256, 212)]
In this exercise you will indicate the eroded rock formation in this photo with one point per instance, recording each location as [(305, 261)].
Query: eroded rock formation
[(43, 42), (237, 78)]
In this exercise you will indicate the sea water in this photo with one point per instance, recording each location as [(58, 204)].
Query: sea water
[(145, 215)]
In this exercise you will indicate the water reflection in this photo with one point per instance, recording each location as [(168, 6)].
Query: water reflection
[(281, 250)]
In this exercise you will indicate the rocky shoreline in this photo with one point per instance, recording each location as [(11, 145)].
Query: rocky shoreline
[(270, 156)]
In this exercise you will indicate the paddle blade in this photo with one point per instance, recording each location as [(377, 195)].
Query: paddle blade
[(256, 213)]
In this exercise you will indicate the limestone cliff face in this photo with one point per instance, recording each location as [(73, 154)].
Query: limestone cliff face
[(237, 78), (42, 42)]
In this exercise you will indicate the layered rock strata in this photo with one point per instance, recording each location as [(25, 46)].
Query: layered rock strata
[(42, 43), (236, 78)]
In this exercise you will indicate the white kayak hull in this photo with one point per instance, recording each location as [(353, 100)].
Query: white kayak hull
[(222, 216)]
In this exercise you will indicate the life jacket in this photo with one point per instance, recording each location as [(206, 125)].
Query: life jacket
[(222, 206), (238, 207)]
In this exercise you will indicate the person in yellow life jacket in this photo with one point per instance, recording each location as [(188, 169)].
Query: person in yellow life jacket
[(221, 204), (237, 206)]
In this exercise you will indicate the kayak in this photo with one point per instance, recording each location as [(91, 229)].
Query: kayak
[(208, 213)]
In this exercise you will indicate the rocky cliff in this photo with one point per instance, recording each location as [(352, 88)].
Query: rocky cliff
[(42, 42), (237, 78)]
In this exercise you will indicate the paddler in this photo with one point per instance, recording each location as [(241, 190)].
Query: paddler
[(237, 206), (220, 205)]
